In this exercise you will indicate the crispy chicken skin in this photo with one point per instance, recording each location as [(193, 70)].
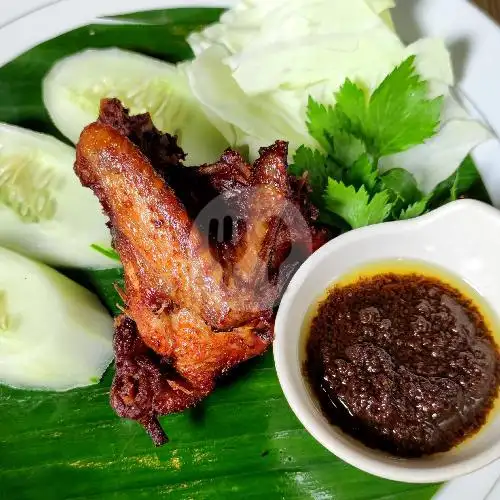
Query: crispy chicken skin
[(146, 211), (196, 302), (177, 358)]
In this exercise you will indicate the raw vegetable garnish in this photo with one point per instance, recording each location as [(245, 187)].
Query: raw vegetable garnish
[(255, 69), (44, 211), (27, 187), (106, 251), (75, 85), (54, 334), (348, 184)]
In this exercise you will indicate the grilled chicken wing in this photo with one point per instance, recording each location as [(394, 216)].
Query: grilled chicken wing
[(197, 301)]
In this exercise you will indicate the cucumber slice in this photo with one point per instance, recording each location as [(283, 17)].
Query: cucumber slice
[(54, 334), (44, 211), (74, 86)]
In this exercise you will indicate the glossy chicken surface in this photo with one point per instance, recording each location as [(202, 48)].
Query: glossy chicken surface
[(206, 252)]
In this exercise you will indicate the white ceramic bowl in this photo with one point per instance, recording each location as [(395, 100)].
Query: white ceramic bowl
[(462, 238)]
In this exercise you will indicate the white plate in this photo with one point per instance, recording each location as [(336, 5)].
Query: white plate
[(474, 41)]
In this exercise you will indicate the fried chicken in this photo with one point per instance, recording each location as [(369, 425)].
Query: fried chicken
[(207, 253)]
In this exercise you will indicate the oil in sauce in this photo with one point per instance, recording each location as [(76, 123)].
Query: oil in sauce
[(401, 356)]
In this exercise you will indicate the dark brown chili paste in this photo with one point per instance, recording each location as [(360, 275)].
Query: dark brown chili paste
[(403, 362)]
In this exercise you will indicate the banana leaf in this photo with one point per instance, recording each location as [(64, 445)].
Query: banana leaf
[(242, 442)]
